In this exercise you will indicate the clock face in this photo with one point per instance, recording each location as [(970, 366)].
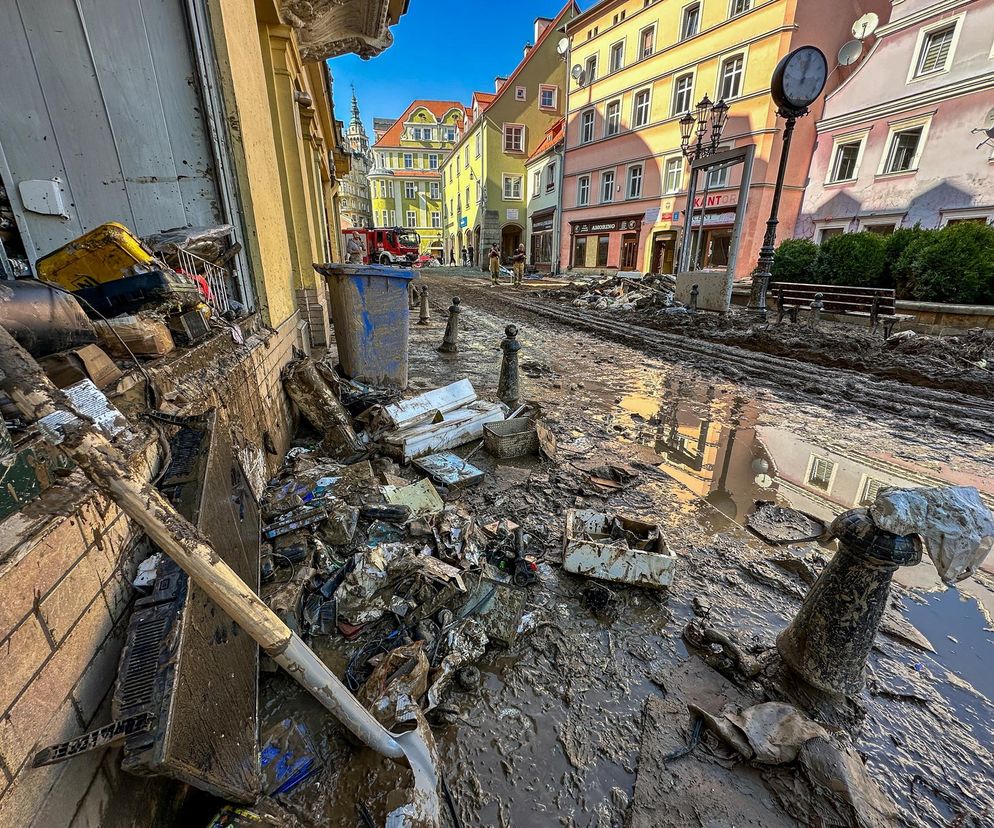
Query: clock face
[(802, 78)]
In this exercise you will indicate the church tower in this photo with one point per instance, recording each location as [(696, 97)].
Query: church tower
[(356, 204)]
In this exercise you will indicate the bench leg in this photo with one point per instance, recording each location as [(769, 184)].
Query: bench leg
[(889, 328)]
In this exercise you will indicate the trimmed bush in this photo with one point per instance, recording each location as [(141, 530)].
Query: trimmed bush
[(954, 264), (894, 247), (855, 259), (794, 261)]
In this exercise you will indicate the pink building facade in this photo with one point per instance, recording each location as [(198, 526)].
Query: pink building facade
[(896, 144)]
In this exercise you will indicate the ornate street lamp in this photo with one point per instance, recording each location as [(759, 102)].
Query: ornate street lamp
[(707, 117), (797, 83)]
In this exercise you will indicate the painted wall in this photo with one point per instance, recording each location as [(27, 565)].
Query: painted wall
[(952, 177)]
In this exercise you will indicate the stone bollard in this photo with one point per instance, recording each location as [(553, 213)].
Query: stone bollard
[(425, 316), (450, 342), (830, 637), (507, 385), (816, 308), (695, 291)]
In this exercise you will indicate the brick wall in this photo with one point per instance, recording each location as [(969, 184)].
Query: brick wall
[(312, 304), (66, 567)]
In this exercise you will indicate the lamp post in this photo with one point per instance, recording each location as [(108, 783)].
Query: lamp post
[(700, 135), (797, 82)]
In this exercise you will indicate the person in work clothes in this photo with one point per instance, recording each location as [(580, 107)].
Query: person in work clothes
[(494, 264), (519, 264), (355, 248)]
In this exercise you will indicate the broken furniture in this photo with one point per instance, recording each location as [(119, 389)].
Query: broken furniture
[(104, 254), (370, 310), (616, 548)]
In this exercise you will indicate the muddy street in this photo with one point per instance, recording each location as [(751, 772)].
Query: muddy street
[(570, 724)]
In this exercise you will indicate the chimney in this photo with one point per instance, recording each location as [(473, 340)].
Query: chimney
[(528, 48), (499, 82), (541, 24)]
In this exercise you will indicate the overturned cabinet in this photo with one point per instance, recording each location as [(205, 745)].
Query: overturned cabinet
[(186, 665)]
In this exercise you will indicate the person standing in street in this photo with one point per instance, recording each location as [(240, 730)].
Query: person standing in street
[(471, 262), (519, 265), (494, 264), (452, 257), (354, 249)]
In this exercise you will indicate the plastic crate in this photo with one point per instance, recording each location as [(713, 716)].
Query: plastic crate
[(511, 438)]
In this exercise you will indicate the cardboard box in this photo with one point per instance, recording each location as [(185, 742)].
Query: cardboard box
[(144, 335), (88, 362)]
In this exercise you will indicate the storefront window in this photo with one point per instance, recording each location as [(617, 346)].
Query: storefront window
[(602, 245), (580, 251)]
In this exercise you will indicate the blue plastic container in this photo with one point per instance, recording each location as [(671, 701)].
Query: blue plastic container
[(369, 308)]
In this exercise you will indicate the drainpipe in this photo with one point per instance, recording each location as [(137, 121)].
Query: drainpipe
[(557, 225)]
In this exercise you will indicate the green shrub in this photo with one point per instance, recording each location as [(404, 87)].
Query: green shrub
[(894, 246), (794, 260), (855, 259), (954, 264)]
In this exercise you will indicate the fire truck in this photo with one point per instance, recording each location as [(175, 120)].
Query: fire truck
[(387, 245)]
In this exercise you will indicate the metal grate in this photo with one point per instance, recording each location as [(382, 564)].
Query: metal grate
[(138, 686), (217, 278)]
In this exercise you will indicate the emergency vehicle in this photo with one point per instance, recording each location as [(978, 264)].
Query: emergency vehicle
[(387, 245)]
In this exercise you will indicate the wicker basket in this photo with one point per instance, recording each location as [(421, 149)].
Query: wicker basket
[(511, 438)]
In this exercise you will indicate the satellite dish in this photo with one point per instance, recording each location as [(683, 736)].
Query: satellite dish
[(850, 53), (578, 75), (865, 26), (563, 46)]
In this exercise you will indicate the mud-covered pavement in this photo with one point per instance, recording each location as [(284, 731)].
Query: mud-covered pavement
[(553, 735)]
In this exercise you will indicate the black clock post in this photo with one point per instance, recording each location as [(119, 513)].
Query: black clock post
[(797, 82)]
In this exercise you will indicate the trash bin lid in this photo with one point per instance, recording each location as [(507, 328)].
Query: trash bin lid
[(351, 270)]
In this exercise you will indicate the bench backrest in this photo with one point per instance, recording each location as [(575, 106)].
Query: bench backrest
[(836, 298)]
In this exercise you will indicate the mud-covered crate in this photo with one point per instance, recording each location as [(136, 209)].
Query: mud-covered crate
[(511, 438), (616, 548)]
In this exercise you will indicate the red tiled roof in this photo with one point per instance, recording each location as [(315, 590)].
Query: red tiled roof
[(391, 138), (416, 173), (552, 137), (485, 98)]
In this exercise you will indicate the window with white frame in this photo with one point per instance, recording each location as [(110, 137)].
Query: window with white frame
[(436, 219), (410, 189), (550, 177), (479, 192), (548, 96), (739, 7), (904, 147), (582, 191), (673, 175), (820, 473), (393, 218), (640, 109), (434, 189), (416, 133), (520, 93), (869, 491), (408, 161), (512, 187), (607, 186), (612, 118), (465, 155), (690, 22), (536, 181), (587, 126), (683, 94), (936, 50), (448, 133), (591, 69), (479, 143), (432, 162), (412, 218), (718, 177), (617, 56), (633, 188), (647, 42), (514, 138), (845, 161), (730, 79), (828, 231)]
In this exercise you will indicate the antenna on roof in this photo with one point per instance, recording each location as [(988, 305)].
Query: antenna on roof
[(865, 26)]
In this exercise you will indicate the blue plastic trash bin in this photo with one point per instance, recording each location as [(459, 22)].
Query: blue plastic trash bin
[(369, 308)]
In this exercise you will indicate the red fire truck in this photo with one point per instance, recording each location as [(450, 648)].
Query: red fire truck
[(387, 245)]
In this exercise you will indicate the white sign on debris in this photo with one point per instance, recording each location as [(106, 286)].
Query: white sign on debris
[(90, 402)]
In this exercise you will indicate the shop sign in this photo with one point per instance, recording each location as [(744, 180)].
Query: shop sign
[(541, 224), (606, 226), (717, 200), (674, 216), (651, 215), (711, 219), (464, 221), (512, 213)]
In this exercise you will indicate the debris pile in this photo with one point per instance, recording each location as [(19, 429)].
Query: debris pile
[(623, 291)]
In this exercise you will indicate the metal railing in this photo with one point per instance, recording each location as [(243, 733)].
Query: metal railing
[(216, 276)]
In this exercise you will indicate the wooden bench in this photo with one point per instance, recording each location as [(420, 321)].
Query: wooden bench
[(879, 305)]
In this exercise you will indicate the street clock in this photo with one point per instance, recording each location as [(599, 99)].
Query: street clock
[(798, 80)]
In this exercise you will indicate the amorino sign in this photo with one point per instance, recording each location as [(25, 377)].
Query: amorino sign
[(608, 225)]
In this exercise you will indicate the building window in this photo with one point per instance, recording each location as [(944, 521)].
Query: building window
[(634, 188), (410, 189), (548, 97), (607, 186), (902, 155), (691, 22), (640, 111), (718, 177), (416, 133), (683, 94), (550, 177), (514, 138), (520, 93), (582, 190), (731, 78), (868, 494), (448, 133), (434, 189), (617, 56), (829, 232), (647, 40), (467, 195), (603, 245), (465, 155), (436, 219), (393, 218), (433, 162), (536, 181), (591, 69), (673, 178), (739, 7), (845, 164), (408, 161), (936, 51), (820, 473), (587, 126), (884, 229), (412, 218), (579, 251), (479, 192), (479, 143), (612, 118), (512, 188)]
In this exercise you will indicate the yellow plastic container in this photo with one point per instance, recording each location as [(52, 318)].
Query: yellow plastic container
[(106, 253)]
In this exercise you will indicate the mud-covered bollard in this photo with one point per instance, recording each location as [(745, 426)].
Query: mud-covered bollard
[(695, 291), (830, 637), (816, 308), (412, 297), (424, 318), (507, 385), (450, 341)]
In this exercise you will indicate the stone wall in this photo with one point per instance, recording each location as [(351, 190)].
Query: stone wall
[(66, 567)]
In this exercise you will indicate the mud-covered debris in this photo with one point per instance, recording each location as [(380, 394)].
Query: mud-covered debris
[(617, 548), (398, 681), (421, 497), (288, 757), (449, 470), (781, 525), (318, 403)]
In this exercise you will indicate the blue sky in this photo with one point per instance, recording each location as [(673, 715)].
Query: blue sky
[(442, 50)]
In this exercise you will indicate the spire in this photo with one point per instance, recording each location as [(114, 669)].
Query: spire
[(356, 125)]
